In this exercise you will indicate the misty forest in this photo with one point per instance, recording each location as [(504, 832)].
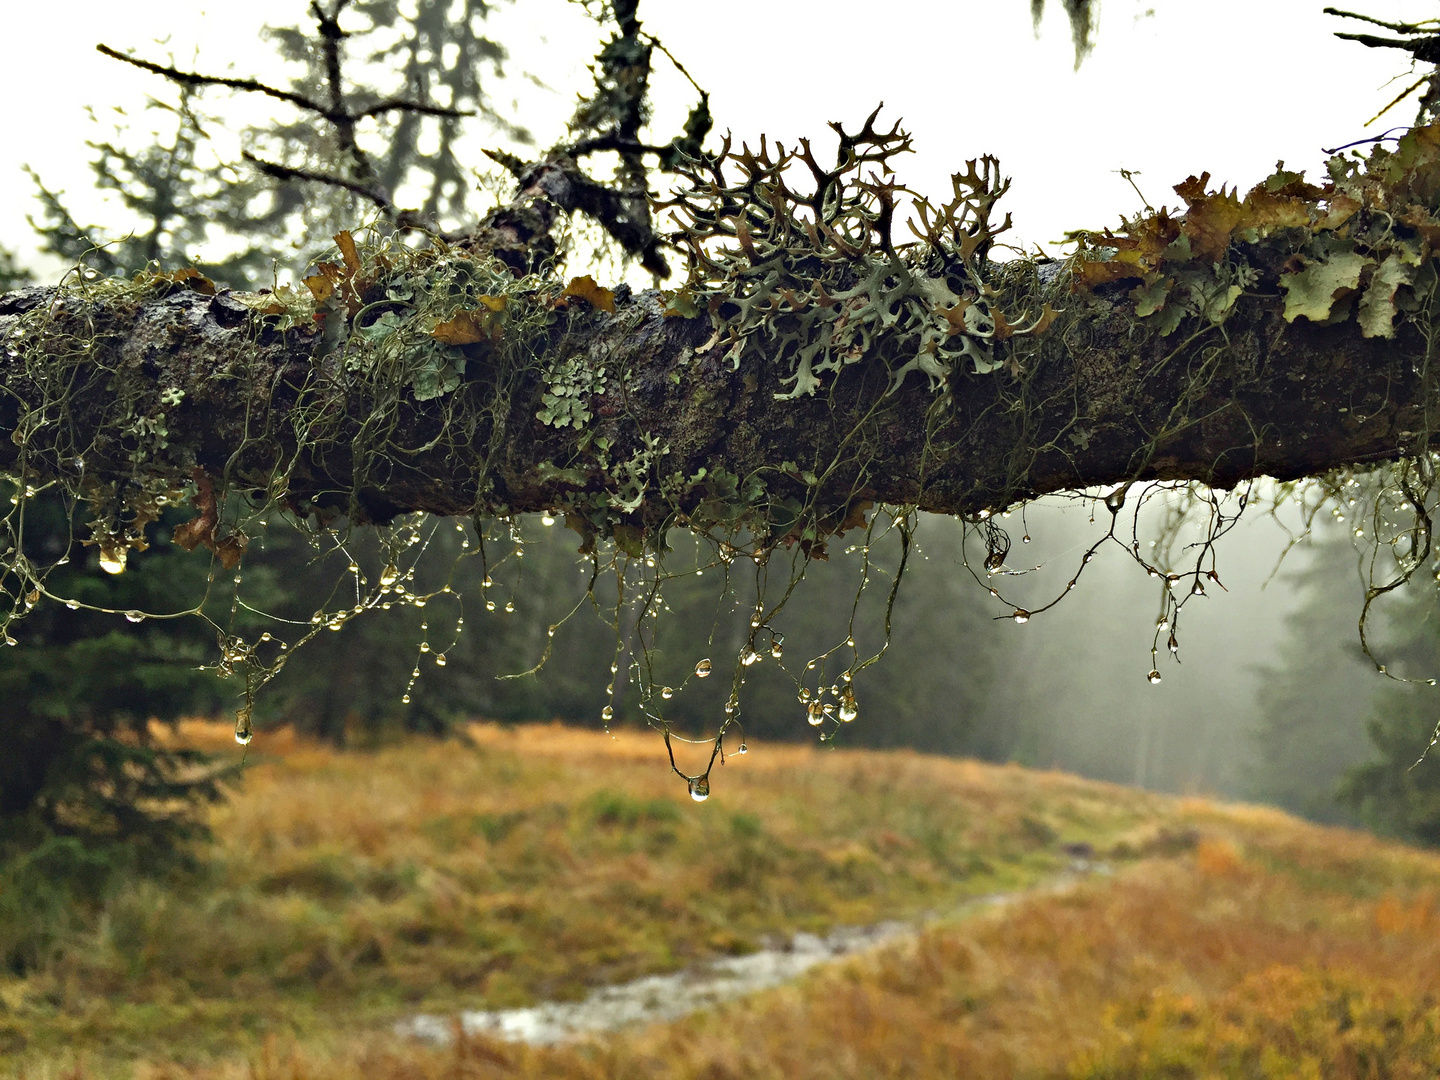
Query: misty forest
[(637, 595)]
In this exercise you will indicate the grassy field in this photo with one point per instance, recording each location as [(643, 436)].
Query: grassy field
[(345, 890)]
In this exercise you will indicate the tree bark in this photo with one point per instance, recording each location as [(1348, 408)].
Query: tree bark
[(1093, 402)]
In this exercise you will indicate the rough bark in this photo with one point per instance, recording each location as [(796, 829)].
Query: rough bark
[(1096, 403)]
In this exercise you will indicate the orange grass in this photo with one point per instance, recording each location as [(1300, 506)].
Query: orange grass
[(345, 889), (1272, 949)]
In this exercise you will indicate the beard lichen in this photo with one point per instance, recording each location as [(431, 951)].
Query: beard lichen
[(800, 290)]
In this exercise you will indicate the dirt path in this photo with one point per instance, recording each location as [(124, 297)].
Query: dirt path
[(656, 998)]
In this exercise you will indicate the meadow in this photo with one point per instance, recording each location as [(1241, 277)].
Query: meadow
[(347, 889)]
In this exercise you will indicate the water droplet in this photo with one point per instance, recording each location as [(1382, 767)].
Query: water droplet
[(1198, 590), (134, 616), (702, 669), (72, 604), (424, 646), (1021, 615), (667, 692), (509, 607), (243, 732), (489, 605), (994, 562), (354, 567), (849, 642), (777, 648), (1116, 499), (1025, 539), (700, 788), (112, 559), (547, 520), (1154, 676), (1162, 624), (550, 631), (335, 624), (439, 659), (983, 514), (749, 657), (1173, 644), (389, 575), (414, 674), (815, 713), (848, 709), (607, 714), (418, 601), (405, 699), (742, 749)]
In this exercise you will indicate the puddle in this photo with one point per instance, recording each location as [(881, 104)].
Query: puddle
[(668, 997)]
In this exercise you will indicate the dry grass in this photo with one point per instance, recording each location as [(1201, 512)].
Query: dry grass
[(348, 888), (1271, 949)]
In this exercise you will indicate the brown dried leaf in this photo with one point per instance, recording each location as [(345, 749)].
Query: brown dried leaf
[(346, 243), (593, 294), (230, 550), (192, 279), (201, 529)]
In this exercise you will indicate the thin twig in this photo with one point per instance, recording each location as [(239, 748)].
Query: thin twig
[(190, 78), (287, 172)]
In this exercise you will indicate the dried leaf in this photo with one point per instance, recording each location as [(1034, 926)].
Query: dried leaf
[(472, 324), (192, 279), (230, 550), (586, 289), (346, 243), (201, 529)]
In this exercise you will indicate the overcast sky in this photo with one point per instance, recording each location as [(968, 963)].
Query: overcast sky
[(1173, 86)]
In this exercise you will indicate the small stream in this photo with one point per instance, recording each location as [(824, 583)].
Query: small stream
[(668, 997)]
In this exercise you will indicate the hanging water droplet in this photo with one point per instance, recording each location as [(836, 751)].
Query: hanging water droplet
[(424, 646), (742, 749), (418, 601), (112, 559), (405, 699), (414, 674), (354, 567), (607, 714), (1021, 615), (335, 624), (994, 562), (439, 659), (243, 731), (1025, 539), (749, 657), (803, 695), (489, 605), (815, 714), (777, 648), (1162, 624), (72, 604), (509, 607), (849, 642), (1154, 676), (702, 669), (1115, 501), (547, 519), (550, 631), (700, 788), (1198, 590), (848, 709), (133, 616), (389, 575), (1173, 644), (667, 692)]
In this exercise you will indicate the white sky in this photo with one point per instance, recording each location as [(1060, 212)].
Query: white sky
[(1173, 86)]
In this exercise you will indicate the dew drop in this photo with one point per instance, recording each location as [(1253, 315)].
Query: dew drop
[(405, 699), (607, 714), (439, 659), (742, 749), (777, 648), (1021, 615), (700, 788), (749, 657), (489, 605), (243, 732), (815, 713), (550, 631), (547, 520), (509, 607), (389, 575), (112, 560), (424, 646), (848, 709), (849, 642), (335, 624), (354, 567), (1025, 539), (667, 692), (702, 669), (134, 616), (1154, 676), (72, 604)]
